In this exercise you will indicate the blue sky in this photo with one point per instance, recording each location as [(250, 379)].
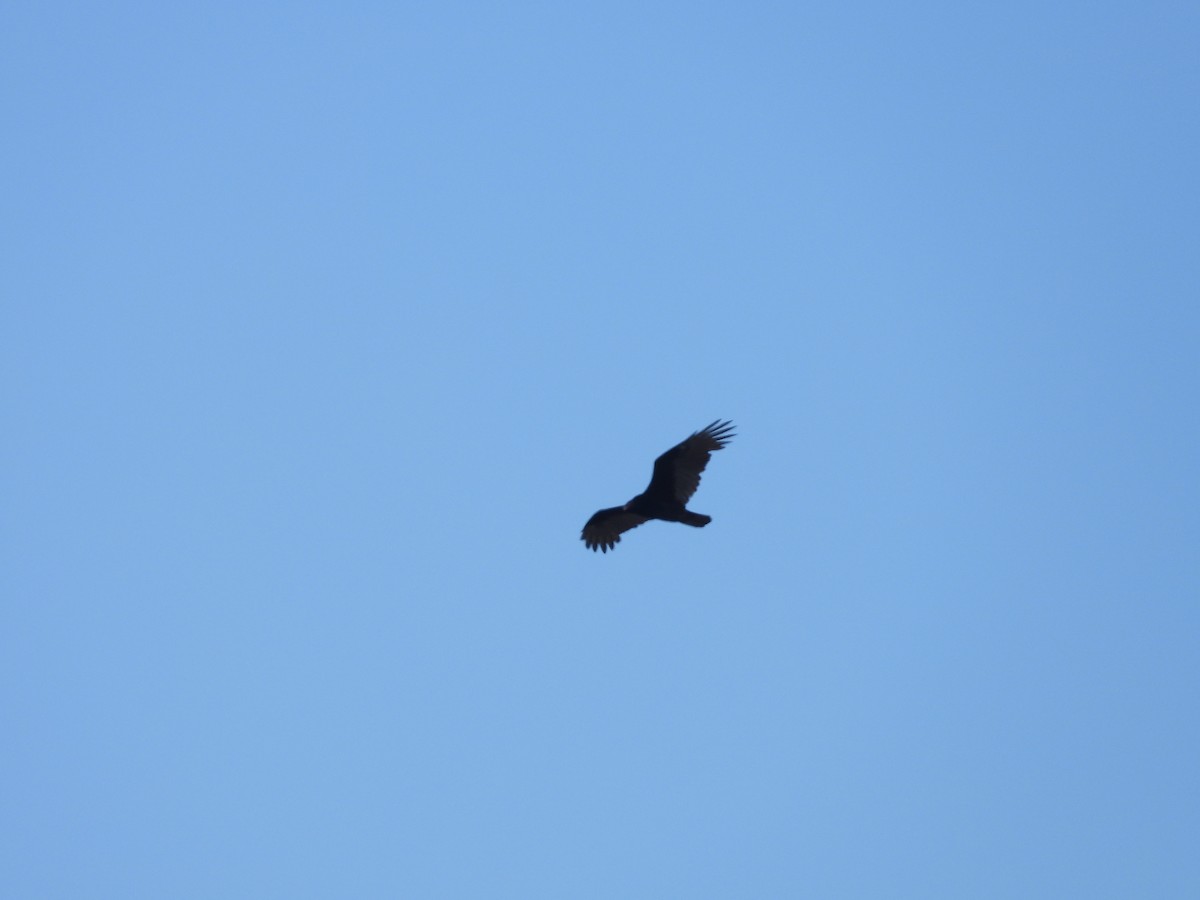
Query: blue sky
[(325, 328)]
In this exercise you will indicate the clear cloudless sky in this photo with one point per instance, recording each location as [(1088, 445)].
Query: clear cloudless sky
[(325, 327)]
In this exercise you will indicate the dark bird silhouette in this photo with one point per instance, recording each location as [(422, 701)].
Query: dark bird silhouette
[(676, 477)]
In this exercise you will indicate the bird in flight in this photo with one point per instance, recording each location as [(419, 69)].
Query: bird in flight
[(676, 477)]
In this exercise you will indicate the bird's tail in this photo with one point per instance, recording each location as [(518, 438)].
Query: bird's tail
[(697, 520)]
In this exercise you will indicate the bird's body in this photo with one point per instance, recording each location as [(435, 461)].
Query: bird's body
[(675, 479)]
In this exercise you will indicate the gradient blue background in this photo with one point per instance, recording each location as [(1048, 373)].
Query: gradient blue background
[(326, 326)]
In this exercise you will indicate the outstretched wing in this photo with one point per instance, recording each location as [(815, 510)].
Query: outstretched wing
[(603, 530), (677, 472)]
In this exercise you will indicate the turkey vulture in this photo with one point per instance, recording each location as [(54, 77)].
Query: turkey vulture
[(676, 477)]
